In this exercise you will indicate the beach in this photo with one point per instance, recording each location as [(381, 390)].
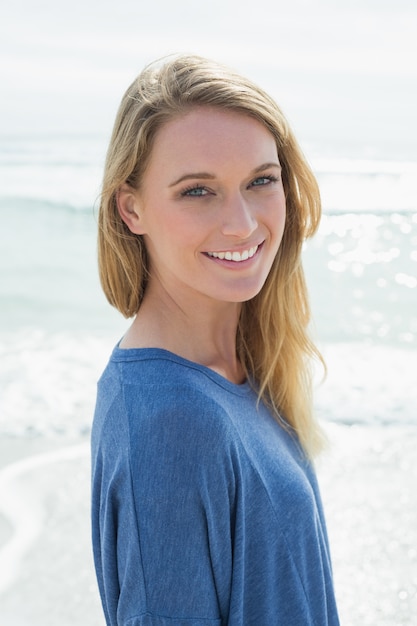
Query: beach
[(57, 332), (345, 75), (368, 479)]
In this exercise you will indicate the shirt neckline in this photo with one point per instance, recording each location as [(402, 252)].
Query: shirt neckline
[(144, 354)]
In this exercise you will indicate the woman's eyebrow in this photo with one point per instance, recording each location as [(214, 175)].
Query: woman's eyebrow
[(191, 175), (266, 166)]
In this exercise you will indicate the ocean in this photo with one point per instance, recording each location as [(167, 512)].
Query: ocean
[(57, 329)]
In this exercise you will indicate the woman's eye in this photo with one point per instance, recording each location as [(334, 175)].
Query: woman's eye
[(263, 180), (196, 191)]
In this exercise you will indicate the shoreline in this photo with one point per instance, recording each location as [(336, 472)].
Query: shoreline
[(46, 566), (21, 509)]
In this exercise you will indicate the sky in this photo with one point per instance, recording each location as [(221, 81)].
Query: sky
[(343, 71)]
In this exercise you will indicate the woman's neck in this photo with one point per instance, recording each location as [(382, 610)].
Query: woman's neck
[(202, 331)]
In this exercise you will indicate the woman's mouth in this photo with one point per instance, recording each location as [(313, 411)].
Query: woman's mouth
[(234, 255)]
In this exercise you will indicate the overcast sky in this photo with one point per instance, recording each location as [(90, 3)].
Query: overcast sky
[(339, 69)]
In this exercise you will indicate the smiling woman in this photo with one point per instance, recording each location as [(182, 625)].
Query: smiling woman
[(213, 235), (203, 433)]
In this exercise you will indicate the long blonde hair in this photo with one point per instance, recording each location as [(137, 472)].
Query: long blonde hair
[(272, 340)]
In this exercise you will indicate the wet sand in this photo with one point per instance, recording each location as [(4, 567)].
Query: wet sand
[(46, 576), (369, 487)]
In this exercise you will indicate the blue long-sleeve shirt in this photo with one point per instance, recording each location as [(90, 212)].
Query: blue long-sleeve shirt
[(205, 510)]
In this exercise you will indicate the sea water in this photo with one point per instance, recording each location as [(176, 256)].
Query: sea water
[(57, 330)]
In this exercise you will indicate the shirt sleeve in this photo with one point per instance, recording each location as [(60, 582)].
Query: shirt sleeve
[(163, 501)]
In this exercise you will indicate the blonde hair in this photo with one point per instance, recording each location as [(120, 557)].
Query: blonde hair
[(272, 340)]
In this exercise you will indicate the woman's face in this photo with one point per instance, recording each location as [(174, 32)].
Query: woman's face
[(211, 206)]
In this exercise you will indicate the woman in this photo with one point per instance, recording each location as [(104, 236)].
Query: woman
[(205, 504)]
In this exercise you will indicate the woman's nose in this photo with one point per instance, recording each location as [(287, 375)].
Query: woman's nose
[(238, 218)]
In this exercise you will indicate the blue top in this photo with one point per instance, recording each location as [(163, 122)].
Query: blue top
[(205, 510)]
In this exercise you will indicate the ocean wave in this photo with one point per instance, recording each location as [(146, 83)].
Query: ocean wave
[(48, 383), (368, 384), (33, 204)]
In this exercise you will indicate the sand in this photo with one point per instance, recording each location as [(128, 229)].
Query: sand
[(47, 577), (369, 488)]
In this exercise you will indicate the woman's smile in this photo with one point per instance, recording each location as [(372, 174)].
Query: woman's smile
[(235, 256)]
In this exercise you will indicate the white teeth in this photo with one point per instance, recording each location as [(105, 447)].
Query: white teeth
[(234, 256)]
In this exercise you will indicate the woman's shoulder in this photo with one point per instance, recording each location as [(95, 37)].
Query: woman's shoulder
[(155, 391)]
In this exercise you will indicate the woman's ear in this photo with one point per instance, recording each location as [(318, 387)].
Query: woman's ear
[(129, 209)]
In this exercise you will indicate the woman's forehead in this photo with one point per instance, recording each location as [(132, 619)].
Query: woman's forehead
[(210, 130)]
